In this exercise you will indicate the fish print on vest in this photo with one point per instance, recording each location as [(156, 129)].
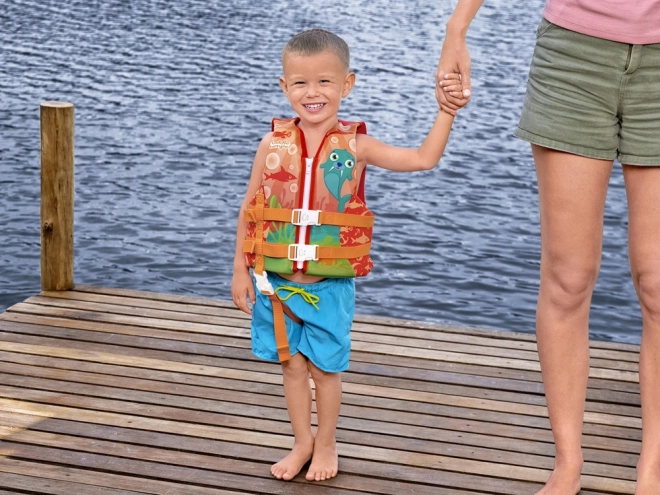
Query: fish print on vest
[(337, 169)]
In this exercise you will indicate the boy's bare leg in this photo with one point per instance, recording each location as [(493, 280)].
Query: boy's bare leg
[(643, 191), (572, 193), (325, 462), (298, 395)]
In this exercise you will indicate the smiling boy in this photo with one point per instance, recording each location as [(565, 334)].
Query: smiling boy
[(305, 230)]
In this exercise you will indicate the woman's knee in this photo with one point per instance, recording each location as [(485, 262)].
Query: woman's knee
[(647, 284), (567, 285)]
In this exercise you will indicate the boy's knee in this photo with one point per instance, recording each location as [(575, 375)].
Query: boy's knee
[(320, 376), (296, 367)]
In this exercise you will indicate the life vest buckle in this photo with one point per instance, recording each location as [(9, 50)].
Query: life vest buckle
[(302, 217), (263, 284), (303, 252)]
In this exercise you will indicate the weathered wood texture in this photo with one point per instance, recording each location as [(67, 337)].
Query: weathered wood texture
[(57, 150), (109, 391)]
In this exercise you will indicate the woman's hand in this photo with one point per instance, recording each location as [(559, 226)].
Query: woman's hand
[(454, 59)]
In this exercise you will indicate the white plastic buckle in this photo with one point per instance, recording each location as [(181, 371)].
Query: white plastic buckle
[(263, 284), (305, 217), (303, 252)]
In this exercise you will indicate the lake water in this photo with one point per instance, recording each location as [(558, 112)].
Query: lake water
[(172, 99)]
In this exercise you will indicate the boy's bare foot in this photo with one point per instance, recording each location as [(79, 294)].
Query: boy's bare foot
[(325, 462), (290, 466), (563, 481)]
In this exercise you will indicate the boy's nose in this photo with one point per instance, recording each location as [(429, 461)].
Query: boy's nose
[(312, 90)]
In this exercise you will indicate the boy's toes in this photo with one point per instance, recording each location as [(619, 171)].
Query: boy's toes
[(324, 464)]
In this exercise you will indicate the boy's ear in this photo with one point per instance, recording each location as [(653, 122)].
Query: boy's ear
[(284, 87), (348, 84)]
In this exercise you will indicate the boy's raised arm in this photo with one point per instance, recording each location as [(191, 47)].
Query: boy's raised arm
[(241, 282), (425, 157)]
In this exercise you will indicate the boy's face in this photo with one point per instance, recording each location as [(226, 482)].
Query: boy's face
[(315, 85)]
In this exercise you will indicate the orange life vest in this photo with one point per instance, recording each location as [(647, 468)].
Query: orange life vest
[(310, 217), (330, 236)]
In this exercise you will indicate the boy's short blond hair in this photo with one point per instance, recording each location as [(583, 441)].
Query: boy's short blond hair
[(315, 41)]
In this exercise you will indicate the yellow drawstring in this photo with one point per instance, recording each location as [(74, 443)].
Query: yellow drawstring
[(309, 298)]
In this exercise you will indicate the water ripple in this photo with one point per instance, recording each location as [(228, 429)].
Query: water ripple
[(172, 99)]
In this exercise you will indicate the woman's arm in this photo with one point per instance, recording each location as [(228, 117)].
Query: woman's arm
[(455, 57)]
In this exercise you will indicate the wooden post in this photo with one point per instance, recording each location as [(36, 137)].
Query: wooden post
[(57, 124)]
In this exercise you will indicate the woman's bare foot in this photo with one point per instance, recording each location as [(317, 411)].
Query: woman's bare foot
[(290, 466), (325, 462), (564, 480)]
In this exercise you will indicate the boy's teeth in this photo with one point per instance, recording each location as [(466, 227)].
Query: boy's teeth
[(314, 107)]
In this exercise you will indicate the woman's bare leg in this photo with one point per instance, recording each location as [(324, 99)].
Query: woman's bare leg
[(298, 395), (643, 190), (572, 191)]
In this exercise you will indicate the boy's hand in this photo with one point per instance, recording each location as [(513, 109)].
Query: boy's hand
[(242, 288), (452, 85)]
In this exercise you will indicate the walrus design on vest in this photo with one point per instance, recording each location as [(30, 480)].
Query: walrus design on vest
[(329, 237)]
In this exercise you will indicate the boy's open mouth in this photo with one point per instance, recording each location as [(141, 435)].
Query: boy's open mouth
[(314, 107)]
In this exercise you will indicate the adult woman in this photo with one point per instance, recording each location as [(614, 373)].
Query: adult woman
[(593, 95)]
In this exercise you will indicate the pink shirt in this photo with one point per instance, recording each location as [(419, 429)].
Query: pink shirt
[(635, 22)]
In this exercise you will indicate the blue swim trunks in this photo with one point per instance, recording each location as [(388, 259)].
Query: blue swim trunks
[(323, 337)]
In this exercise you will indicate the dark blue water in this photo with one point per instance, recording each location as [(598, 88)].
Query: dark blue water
[(172, 99)]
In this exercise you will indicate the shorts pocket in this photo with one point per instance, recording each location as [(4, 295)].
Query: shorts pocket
[(544, 27)]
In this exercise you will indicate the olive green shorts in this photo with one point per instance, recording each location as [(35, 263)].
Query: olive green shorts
[(593, 97)]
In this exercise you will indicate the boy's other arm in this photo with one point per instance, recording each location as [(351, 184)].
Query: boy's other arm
[(241, 282), (427, 156)]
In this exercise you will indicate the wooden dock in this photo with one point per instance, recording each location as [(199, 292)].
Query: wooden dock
[(119, 392)]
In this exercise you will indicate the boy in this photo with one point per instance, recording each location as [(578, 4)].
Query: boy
[(305, 230)]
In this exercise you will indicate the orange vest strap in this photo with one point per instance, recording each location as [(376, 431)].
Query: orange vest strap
[(323, 252), (325, 217), (281, 339), (259, 238)]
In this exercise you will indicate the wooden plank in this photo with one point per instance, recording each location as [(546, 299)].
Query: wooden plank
[(436, 440), (492, 376), (186, 459), (32, 484), (372, 333), (361, 331), (384, 473), (216, 447), (437, 398), (506, 418), (371, 319), (612, 374), (429, 385), (425, 381), (102, 481), (428, 461), (131, 383), (267, 395)]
